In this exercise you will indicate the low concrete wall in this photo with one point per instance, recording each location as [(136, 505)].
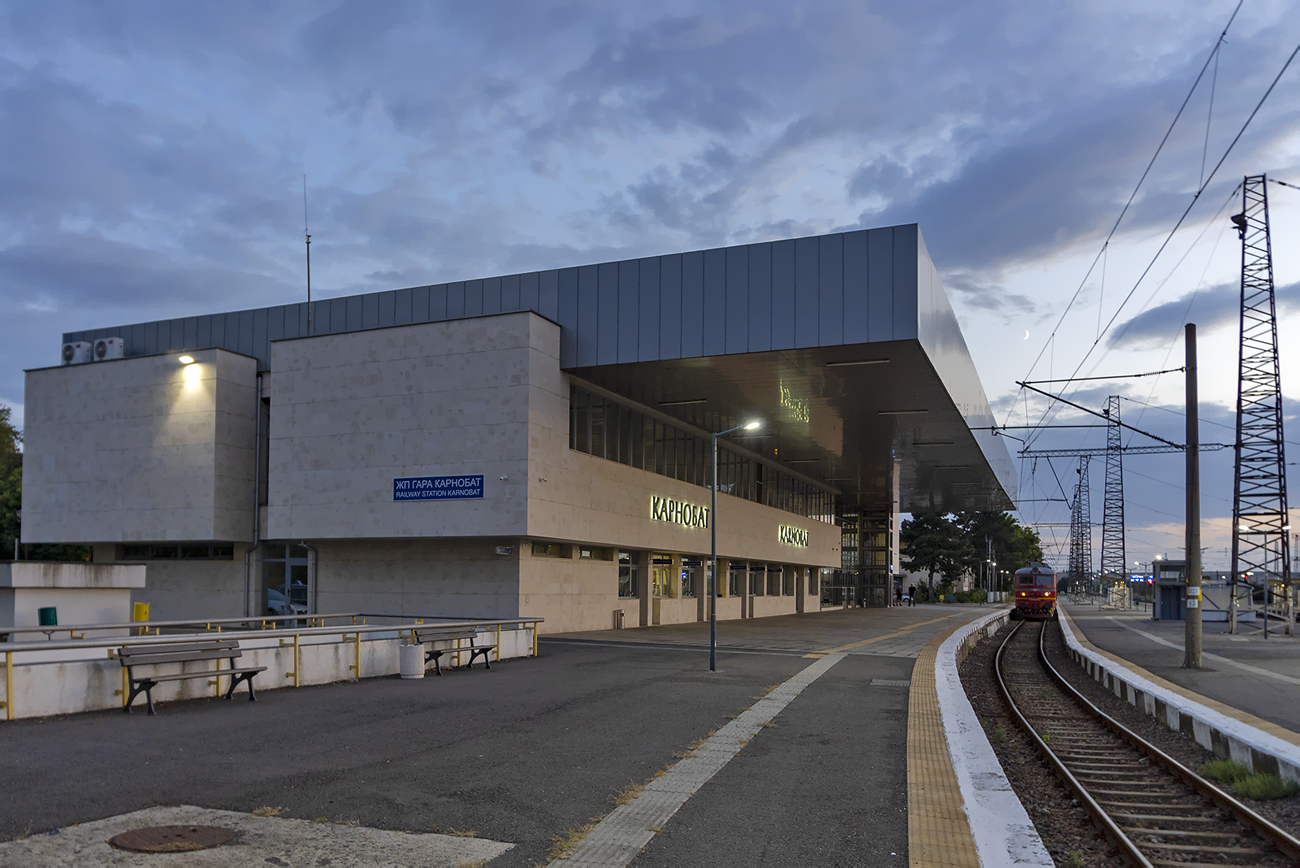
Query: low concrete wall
[(71, 680), (1224, 736)]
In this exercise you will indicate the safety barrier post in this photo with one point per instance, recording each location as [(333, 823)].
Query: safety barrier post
[(296, 663), (498, 643)]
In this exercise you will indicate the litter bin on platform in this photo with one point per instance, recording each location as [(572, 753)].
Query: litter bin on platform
[(48, 616), (411, 660)]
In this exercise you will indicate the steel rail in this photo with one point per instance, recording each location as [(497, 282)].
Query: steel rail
[(1251, 822), (1128, 850), (1260, 825)]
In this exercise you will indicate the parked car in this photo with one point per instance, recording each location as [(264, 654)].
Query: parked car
[(278, 604)]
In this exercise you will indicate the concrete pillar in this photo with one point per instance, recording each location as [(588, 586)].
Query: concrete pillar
[(646, 591)]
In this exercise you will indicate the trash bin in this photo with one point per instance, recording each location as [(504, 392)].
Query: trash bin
[(410, 659), (48, 616)]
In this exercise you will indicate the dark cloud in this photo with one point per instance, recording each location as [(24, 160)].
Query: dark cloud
[(1211, 308)]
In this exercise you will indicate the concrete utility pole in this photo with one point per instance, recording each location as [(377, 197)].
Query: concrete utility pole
[(1192, 639)]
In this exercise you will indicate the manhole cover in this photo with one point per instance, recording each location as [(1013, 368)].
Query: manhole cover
[(172, 839)]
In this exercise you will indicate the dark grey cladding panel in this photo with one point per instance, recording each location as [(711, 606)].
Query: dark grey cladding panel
[(848, 288)]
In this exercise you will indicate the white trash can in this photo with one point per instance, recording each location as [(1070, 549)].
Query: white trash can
[(411, 661)]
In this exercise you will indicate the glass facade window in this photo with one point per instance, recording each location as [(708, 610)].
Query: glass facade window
[(170, 551), (661, 574), (548, 550), (609, 430), (757, 580), (284, 580), (693, 573), (628, 586), (787, 581), (736, 579)]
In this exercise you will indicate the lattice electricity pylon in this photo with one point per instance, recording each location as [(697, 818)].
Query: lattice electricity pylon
[(1259, 507), (1114, 563), (1081, 534)]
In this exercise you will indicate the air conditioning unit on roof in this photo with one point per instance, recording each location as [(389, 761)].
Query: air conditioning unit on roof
[(77, 352), (109, 348)]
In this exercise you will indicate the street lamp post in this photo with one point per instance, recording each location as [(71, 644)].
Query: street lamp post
[(713, 551)]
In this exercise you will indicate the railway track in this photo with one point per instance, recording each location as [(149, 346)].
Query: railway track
[(1153, 809)]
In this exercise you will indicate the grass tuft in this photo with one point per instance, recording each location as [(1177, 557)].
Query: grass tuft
[(466, 834), (563, 844), (627, 794), (1076, 859), (267, 811), (1264, 787), (1259, 787), (1225, 770)]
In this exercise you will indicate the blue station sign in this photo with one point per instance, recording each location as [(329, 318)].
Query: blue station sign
[(438, 487)]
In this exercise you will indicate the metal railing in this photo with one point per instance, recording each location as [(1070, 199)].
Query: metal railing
[(287, 635)]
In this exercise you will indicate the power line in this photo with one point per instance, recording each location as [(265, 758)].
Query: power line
[(1183, 217), (1213, 52)]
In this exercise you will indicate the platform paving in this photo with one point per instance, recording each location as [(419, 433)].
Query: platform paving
[(535, 748), (1246, 671)]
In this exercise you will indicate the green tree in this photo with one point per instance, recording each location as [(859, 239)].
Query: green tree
[(1014, 545), (11, 481), (933, 543), (11, 501)]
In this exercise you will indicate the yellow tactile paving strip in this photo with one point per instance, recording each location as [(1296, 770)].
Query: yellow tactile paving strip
[(938, 831), (1226, 710)]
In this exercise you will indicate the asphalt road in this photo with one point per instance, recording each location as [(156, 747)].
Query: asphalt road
[(519, 754)]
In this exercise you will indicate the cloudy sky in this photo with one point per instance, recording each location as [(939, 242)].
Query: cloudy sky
[(154, 157)]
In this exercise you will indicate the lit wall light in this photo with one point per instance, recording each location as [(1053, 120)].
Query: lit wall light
[(186, 360)]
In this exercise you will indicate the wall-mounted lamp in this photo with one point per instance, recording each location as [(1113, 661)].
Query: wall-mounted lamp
[(186, 360), (503, 478)]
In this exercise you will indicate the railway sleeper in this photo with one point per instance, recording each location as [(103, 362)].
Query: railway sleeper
[(1149, 832), (1197, 811), (1207, 848), (1160, 818)]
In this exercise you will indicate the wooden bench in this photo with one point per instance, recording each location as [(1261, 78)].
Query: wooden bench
[(183, 652), (453, 635)]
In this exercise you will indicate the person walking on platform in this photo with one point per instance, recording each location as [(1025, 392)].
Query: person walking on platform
[(898, 595), (911, 595)]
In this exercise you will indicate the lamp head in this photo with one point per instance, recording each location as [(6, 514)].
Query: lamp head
[(752, 425), (186, 360)]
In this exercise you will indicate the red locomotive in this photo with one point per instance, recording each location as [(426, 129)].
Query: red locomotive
[(1035, 591)]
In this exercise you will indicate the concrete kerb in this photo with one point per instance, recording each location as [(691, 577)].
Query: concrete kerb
[(1225, 736), (1003, 832)]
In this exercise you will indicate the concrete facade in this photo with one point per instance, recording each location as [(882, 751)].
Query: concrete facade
[(81, 593), (140, 449)]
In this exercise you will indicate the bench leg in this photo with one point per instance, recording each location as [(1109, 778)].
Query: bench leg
[(433, 655), (234, 682), (136, 687)]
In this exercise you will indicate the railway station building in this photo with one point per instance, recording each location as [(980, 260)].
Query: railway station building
[(530, 445)]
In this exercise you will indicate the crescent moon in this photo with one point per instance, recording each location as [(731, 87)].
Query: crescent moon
[(1026, 337)]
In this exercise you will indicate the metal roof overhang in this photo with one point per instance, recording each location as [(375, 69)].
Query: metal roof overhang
[(843, 415)]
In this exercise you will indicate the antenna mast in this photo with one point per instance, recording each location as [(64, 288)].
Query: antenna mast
[(308, 234)]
